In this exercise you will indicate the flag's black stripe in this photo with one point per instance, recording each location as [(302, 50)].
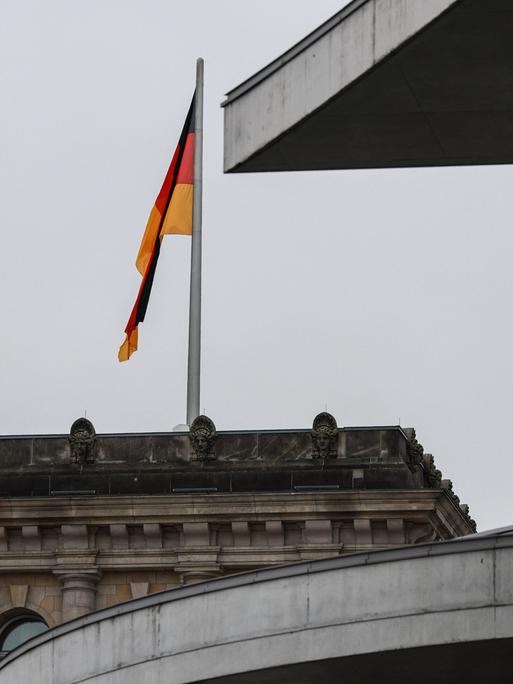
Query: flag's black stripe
[(150, 274)]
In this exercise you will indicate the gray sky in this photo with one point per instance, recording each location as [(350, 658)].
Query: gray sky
[(383, 294)]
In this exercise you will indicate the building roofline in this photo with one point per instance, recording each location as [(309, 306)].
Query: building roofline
[(180, 433), (486, 541)]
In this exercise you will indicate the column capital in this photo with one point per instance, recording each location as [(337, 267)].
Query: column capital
[(190, 574), (78, 576)]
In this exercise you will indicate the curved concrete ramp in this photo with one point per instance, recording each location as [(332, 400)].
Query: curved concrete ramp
[(440, 612)]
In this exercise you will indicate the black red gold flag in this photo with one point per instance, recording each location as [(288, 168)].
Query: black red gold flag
[(171, 214)]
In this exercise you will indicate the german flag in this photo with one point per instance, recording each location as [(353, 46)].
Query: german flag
[(171, 214)]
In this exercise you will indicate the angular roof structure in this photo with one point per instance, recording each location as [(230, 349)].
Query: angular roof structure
[(383, 83)]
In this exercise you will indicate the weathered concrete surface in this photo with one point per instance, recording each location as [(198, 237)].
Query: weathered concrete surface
[(384, 83), (451, 603)]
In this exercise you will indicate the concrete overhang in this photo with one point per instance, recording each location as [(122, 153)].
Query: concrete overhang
[(383, 83)]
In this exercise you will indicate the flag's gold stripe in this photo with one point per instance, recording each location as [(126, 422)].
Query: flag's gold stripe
[(148, 241), (178, 218), (178, 221), (129, 346)]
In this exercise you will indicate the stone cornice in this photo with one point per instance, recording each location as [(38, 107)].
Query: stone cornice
[(184, 506), (227, 531)]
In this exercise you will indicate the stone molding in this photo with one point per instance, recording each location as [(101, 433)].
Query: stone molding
[(170, 540), (235, 531)]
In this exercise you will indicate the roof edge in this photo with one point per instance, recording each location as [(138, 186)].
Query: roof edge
[(65, 435)]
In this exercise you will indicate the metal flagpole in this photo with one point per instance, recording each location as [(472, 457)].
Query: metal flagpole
[(194, 359)]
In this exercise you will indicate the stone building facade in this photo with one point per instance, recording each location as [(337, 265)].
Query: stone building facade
[(90, 521)]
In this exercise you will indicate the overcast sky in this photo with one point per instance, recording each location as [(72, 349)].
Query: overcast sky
[(385, 295)]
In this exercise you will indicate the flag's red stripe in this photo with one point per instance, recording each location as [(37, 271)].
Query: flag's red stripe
[(163, 199), (186, 170), (132, 321)]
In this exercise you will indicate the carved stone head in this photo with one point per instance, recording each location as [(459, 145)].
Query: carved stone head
[(203, 435), (82, 441), (415, 449), (324, 436), (432, 475)]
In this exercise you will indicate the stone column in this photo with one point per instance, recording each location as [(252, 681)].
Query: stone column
[(78, 592)]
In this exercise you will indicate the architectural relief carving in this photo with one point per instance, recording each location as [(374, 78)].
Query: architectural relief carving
[(324, 436), (432, 476), (415, 449), (203, 435), (420, 533), (447, 486), (82, 441)]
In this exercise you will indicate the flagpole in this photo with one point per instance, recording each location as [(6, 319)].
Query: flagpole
[(194, 358)]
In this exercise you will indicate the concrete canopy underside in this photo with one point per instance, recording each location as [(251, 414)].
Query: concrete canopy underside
[(476, 663), (436, 612), (385, 83)]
